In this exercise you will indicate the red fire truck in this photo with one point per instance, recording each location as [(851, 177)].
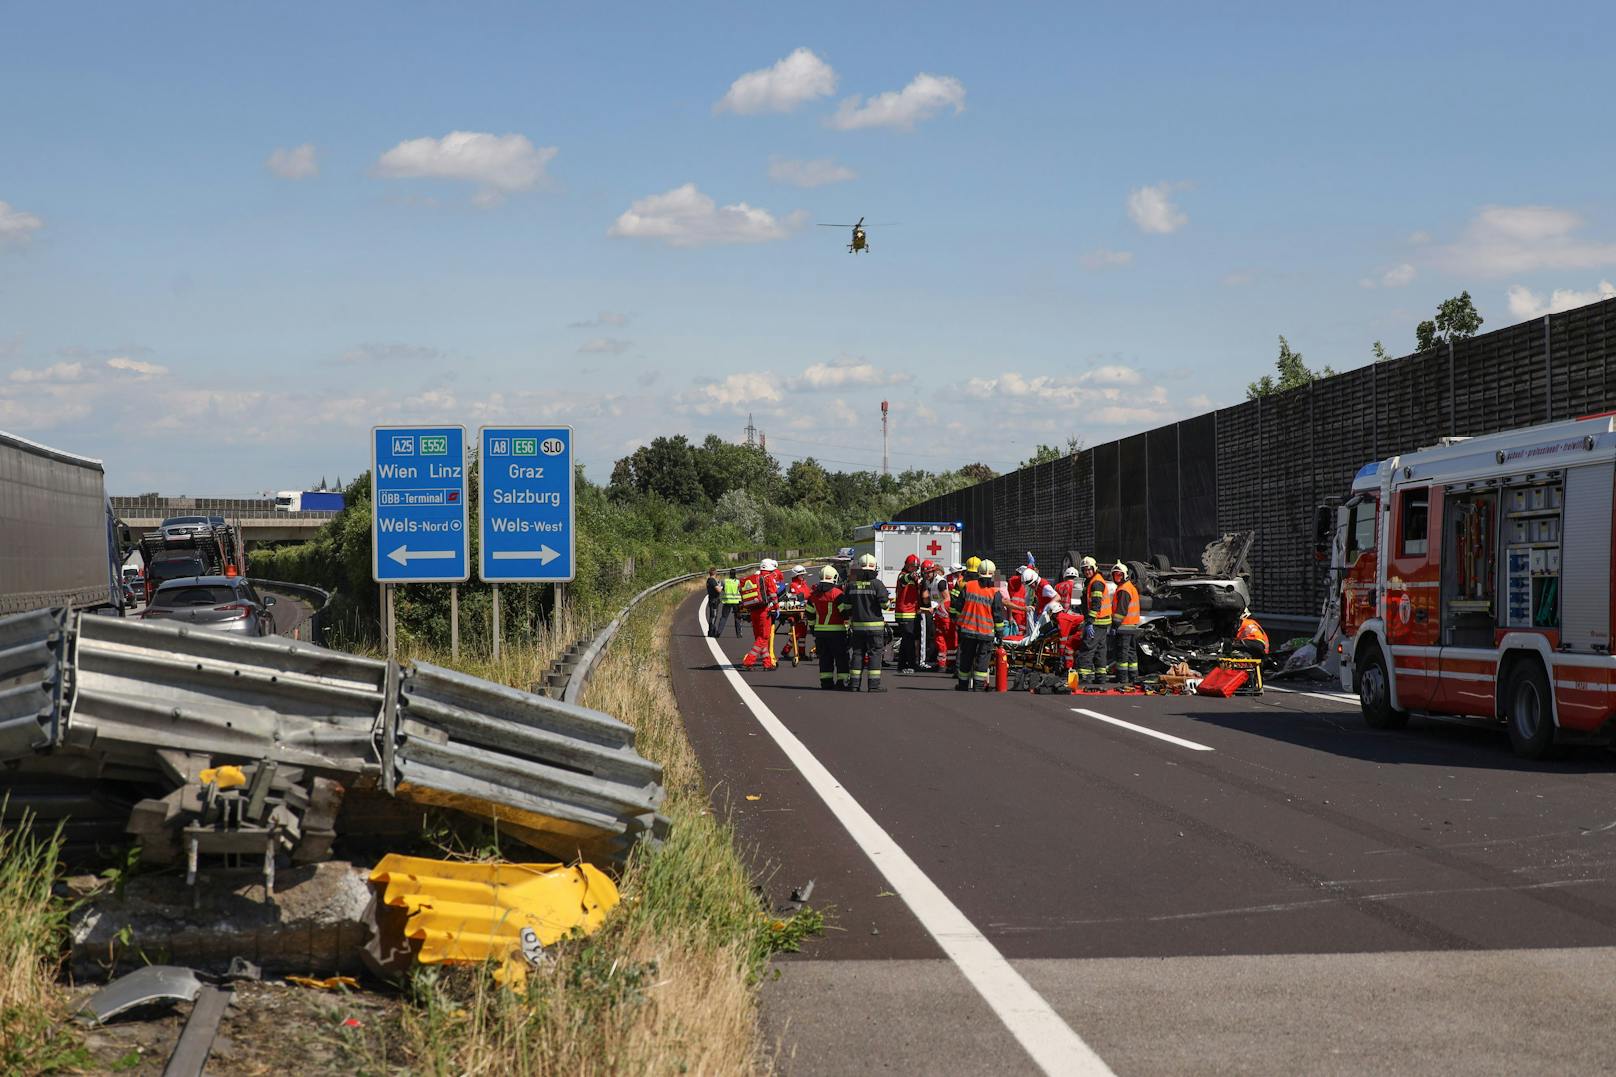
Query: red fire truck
[(1476, 581)]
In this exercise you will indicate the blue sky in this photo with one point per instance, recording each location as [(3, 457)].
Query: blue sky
[(1103, 216)]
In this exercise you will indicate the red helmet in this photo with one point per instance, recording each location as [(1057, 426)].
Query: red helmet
[(927, 566), (912, 561)]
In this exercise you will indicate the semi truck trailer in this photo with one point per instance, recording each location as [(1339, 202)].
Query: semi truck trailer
[(60, 542)]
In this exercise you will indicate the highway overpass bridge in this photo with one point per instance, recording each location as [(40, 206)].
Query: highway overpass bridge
[(256, 517)]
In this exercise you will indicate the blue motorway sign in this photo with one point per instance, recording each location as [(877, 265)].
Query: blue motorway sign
[(418, 494), (526, 505)]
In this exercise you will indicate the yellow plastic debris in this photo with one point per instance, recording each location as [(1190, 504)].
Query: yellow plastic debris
[(330, 983), (469, 913), (225, 777)]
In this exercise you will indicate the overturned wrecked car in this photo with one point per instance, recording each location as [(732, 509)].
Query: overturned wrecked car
[(1191, 614)]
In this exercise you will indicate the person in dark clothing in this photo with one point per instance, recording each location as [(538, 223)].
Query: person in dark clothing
[(863, 604), (715, 601)]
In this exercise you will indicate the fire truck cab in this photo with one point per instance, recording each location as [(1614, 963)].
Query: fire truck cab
[(1476, 581)]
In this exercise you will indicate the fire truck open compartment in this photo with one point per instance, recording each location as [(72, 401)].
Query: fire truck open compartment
[(1531, 569), (1469, 567)]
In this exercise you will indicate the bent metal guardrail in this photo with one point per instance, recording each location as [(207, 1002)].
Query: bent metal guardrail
[(112, 705), (319, 602)]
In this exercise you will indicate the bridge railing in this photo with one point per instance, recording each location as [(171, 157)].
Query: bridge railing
[(231, 508)]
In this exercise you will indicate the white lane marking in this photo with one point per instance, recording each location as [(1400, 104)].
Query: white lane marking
[(1328, 697), (1042, 1033), (1180, 741)]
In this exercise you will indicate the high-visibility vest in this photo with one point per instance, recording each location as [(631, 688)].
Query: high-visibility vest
[(1250, 629), (975, 616), (1130, 616), (751, 593), (1099, 600), (732, 592)]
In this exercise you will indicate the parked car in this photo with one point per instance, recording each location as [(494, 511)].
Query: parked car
[(220, 603)]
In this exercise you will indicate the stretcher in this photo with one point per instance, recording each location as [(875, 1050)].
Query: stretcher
[(791, 613)]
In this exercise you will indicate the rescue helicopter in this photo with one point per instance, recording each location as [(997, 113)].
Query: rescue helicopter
[(859, 242)]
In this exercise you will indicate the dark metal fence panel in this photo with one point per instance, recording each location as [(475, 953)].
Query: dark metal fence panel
[(1583, 376), (1133, 476), (1284, 562), (1082, 539), (1198, 484), (1500, 381), (1162, 533), (1107, 501), (1239, 469)]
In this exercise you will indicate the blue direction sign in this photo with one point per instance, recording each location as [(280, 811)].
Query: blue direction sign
[(418, 493), (526, 505)]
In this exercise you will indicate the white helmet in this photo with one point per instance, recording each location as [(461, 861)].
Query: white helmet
[(956, 567), (1070, 573), (868, 563), (768, 564), (1029, 575), (986, 569), (798, 570), (828, 574)]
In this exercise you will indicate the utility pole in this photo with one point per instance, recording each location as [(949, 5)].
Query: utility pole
[(885, 469)]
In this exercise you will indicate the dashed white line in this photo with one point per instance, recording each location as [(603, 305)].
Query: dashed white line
[(1043, 1034), (1180, 741)]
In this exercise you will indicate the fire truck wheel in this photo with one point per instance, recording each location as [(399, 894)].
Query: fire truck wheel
[(1529, 710), (1374, 692)]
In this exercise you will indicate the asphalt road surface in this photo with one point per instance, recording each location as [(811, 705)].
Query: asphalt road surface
[(291, 614), (1184, 885)]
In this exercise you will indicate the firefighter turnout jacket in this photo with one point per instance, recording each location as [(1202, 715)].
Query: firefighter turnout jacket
[(828, 616), (863, 604), (979, 611)]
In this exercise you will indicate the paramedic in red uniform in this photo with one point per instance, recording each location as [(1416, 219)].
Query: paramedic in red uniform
[(800, 588), (906, 611), (757, 602)]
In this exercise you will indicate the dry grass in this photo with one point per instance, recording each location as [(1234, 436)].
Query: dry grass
[(669, 984), (33, 922)]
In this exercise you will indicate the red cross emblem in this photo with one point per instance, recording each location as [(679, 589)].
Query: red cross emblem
[(934, 549)]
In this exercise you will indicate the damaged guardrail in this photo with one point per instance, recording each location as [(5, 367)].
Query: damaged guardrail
[(246, 747)]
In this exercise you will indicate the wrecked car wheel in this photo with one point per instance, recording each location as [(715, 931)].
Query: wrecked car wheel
[(1375, 692)]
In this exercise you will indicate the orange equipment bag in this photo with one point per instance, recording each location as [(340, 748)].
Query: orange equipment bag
[(1222, 682)]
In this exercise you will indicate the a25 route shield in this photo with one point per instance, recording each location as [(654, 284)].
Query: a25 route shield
[(418, 498), (526, 505)]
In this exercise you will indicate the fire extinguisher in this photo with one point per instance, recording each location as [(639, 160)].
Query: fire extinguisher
[(1001, 670)]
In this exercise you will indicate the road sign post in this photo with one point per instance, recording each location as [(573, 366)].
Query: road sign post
[(525, 506), (418, 497)]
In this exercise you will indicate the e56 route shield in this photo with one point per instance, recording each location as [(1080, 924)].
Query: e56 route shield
[(525, 505), (418, 498)]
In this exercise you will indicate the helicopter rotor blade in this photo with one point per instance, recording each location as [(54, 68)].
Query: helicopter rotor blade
[(838, 226), (860, 223)]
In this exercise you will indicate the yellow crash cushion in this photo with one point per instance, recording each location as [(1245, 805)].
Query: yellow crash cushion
[(464, 912), (225, 777)]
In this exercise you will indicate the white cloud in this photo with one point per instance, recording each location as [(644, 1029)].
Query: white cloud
[(602, 320), (1101, 258), (1397, 276), (1420, 238), (1112, 395), (924, 97), (138, 367), (800, 77), (844, 372), (816, 173), (15, 225), (1524, 303), (1152, 209), (737, 392), (605, 346), (498, 164), (1238, 278), (294, 164), (390, 353), (1505, 240), (684, 217), (56, 373)]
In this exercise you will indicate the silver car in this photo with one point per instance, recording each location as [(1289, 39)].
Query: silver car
[(180, 526), (218, 603)]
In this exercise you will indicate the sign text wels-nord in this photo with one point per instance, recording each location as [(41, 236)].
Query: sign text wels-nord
[(525, 505), (418, 497)]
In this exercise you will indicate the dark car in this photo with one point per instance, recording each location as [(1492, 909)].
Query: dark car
[(220, 603), (174, 565)]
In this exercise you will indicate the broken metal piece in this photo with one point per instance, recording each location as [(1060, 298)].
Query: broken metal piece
[(154, 983), (196, 1038)]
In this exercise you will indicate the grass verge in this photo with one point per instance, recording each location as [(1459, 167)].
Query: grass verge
[(668, 985), (33, 925)]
